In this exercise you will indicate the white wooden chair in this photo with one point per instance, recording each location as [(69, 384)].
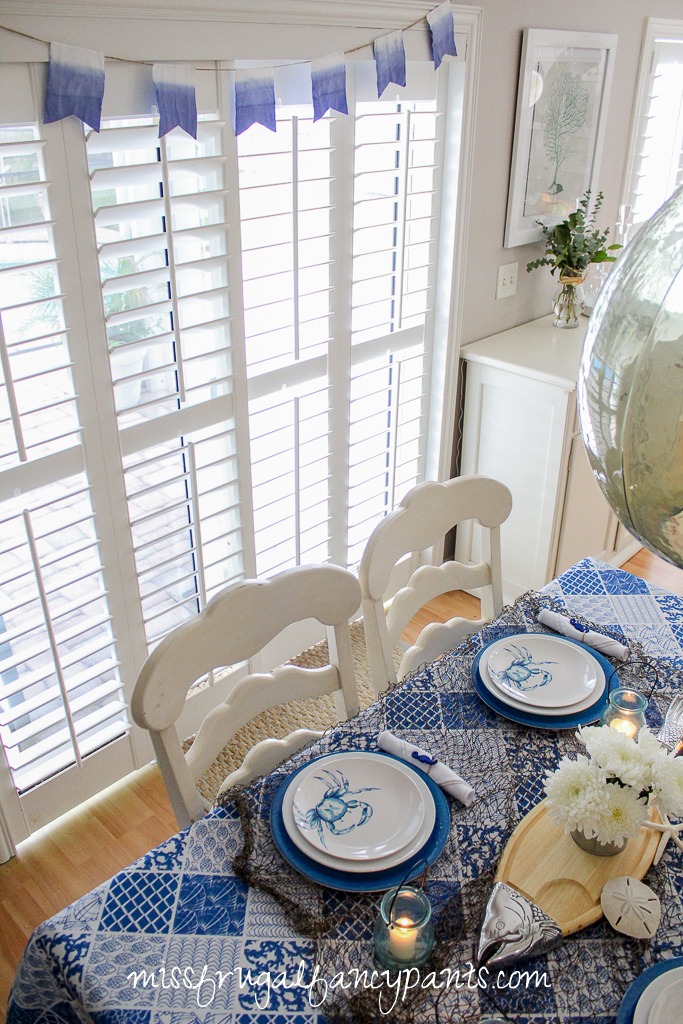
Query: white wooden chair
[(426, 513), (234, 626)]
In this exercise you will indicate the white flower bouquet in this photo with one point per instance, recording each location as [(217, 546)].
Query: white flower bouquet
[(608, 794)]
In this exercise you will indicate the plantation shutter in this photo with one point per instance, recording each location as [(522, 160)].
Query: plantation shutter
[(218, 361), (61, 692), (656, 156), (159, 209)]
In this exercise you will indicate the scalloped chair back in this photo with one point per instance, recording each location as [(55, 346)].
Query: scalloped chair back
[(420, 522), (233, 627)]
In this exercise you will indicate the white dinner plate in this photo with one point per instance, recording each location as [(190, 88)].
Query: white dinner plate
[(583, 705), (668, 1006), (340, 864), (358, 807), (542, 671), (652, 992)]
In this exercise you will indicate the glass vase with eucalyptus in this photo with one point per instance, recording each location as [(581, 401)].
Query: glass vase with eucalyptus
[(570, 247), (569, 304)]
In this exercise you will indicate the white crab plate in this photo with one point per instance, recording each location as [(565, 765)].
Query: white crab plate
[(542, 671), (553, 713), (357, 806), (392, 860)]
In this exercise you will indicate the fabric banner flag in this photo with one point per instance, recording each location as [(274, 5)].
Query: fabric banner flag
[(443, 32), (176, 100), (75, 84), (390, 59), (328, 79), (254, 99)]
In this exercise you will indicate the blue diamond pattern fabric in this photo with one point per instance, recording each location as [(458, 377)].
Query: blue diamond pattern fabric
[(140, 901), (169, 940)]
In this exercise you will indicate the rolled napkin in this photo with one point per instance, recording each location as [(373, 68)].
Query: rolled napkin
[(576, 631), (437, 771)]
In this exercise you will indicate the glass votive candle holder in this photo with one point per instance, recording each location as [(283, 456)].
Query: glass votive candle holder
[(404, 930), (625, 712)]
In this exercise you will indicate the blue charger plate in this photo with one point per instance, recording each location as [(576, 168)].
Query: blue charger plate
[(553, 722), (637, 987), (375, 881)]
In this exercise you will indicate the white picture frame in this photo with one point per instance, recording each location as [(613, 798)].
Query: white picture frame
[(562, 102)]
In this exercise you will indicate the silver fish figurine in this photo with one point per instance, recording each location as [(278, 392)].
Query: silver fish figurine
[(514, 929)]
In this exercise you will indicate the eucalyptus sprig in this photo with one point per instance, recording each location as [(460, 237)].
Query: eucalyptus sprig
[(575, 242)]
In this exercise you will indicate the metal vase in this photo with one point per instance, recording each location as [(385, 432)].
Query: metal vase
[(595, 846)]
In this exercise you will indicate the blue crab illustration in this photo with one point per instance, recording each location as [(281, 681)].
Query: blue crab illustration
[(334, 806), (523, 669)]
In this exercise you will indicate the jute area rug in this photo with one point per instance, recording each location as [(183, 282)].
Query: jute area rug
[(312, 713)]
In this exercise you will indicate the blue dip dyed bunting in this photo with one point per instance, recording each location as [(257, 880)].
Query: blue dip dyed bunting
[(443, 32), (328, 81), (75, 84), (254, 99), (390, 60), (176, 100)]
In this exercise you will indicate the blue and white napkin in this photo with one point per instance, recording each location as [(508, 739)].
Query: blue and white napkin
[(437, 771), (576, 631)]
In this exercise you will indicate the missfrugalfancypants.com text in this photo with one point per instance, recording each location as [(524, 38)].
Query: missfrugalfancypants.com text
[(391, 986)]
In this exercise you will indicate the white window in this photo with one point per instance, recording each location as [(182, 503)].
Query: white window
[(219, 358), (655, 164)]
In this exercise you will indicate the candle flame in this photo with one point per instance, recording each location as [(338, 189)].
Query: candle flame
[(403, 923), (626, 728)]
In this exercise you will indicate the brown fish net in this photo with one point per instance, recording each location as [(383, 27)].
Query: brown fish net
[(505, 763)]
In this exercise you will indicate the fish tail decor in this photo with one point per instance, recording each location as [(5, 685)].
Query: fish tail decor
[(75, 84), (176, 100), (390, 59), (443, 32), (254, 99), (328, 79)]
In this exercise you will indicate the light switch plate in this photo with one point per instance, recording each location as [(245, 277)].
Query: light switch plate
[(507, 281)]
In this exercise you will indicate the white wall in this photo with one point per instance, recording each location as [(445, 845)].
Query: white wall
[(502, 28), (186, 29)]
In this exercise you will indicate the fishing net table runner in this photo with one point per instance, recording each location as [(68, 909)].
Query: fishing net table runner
[(438, 709)]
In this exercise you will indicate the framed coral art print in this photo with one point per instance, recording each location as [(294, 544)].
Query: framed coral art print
[(562, 101)]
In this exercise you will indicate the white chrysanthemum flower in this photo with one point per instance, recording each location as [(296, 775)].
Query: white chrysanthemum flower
[(619, 756), (575, 792), (668, 783), (623, 815)]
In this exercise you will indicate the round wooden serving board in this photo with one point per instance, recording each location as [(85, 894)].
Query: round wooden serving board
[(546, 866)]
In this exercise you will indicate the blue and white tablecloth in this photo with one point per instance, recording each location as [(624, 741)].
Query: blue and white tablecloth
[(181, 913)]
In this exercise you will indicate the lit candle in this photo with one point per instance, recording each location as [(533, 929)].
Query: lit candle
[(402, 939), (626, 728)]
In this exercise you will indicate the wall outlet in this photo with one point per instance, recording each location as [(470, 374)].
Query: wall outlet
[(507, 281)]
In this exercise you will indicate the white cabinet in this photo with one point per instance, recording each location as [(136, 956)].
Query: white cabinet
[(521, 427)]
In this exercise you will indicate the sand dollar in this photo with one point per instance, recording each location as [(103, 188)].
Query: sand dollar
[(631, 907)]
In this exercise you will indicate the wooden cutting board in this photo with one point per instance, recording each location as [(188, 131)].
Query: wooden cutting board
[(546, 866)]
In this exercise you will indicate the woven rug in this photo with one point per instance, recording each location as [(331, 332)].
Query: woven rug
[(312, 713)]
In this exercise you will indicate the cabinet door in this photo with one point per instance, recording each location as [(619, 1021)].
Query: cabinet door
[(516, 431), (589, 526)]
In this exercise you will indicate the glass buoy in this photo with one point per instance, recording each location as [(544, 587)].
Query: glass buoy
[(630, 388)]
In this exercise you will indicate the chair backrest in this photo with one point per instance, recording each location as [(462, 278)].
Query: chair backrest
[(234, 626), (421, 520)]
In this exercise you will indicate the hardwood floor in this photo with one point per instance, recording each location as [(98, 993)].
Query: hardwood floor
[(88, 845)]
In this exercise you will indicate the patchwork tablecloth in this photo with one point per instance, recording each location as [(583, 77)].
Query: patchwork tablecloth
[(180, 914)]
